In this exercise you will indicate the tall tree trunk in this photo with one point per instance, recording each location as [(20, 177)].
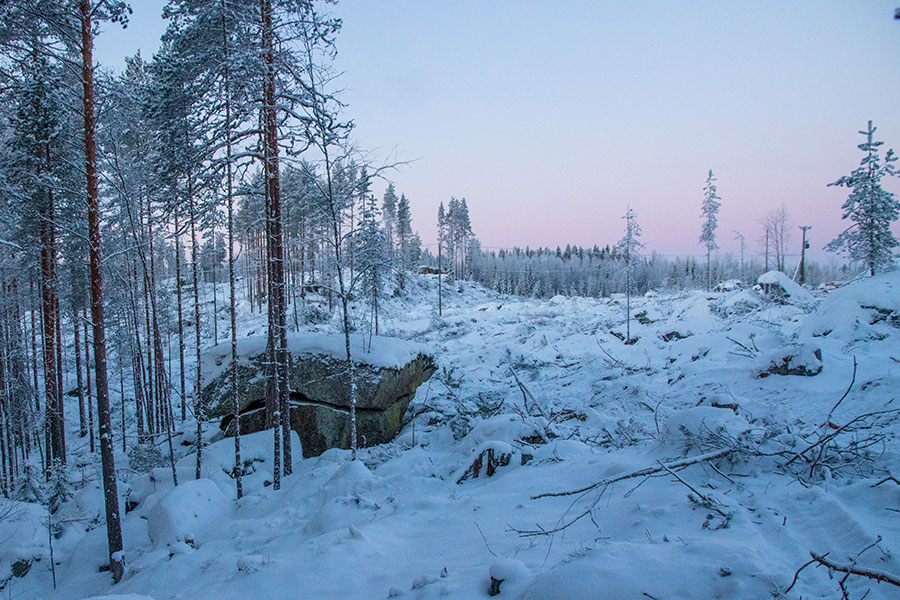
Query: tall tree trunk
[(278, 329), (110, 489), (198, 411), (55, 451), (192, 216), (232, 303)]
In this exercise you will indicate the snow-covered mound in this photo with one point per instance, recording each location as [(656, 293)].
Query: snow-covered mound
[(780, 285), (183, 514)]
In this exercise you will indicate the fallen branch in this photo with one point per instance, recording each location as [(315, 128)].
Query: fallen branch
[(675, 464), (885, 480), (838, 430), (748, 352), (526, 394), (852, 569)]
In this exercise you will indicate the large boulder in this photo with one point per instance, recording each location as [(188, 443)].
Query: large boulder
[(387, 375)]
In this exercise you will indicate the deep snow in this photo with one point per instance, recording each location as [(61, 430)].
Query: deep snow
[(590, 407)]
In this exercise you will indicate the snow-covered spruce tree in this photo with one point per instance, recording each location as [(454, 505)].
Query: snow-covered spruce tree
[(126, 136), (389, 216), (404, 232), (709, 210), (173, 108), (871, 208), (628, 247), (372, 261)]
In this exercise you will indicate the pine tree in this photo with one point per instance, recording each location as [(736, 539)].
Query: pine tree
[(88, 14), (871, 208), (709, 210)]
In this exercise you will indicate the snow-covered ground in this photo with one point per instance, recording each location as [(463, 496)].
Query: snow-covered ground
[(550, 387)]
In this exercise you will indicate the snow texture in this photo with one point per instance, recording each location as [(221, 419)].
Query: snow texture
[(396, 524)]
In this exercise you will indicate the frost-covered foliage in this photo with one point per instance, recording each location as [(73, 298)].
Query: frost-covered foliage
[(372, 261), (709, 209), (870, 207)]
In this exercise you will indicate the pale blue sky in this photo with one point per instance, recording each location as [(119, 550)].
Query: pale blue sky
[(550, 117)]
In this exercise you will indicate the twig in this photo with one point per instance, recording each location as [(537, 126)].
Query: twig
[(797, 575), (849, 387), (526, 393), (747, 351), (885, 480), (675, 464), (838, 430), (484, 539), (705, 498)]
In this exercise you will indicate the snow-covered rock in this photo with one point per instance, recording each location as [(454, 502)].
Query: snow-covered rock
[(778, 286), (183, 514), (795, 359)]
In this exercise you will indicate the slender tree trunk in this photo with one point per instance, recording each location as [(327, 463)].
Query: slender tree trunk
[(195, 275), (196, 278), (55, 450), (163, 399), (110, 488), (440, 273), (627, 300), (60, 368), (82, 414), (232, 303), (34, 359), (87, 371), (122, 393), (178, 292), (708, 271), (137, 361)]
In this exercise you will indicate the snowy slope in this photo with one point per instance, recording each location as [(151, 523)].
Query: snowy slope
[(589, 408)]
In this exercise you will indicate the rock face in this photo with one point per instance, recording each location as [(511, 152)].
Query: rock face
[(386, 378)]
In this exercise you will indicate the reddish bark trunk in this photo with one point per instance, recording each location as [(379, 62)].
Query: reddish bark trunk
[(113, 524)]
